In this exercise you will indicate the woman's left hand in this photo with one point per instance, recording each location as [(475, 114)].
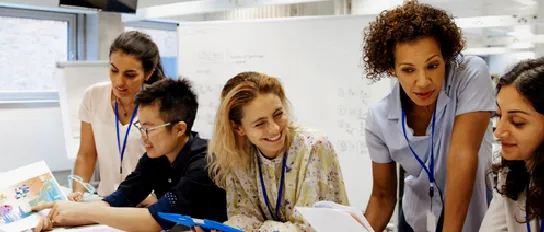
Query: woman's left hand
[(62, 210)]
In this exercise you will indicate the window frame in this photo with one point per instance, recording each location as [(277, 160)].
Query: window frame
[(73, 52)]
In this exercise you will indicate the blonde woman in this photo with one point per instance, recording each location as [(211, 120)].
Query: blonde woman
[(267, 166)]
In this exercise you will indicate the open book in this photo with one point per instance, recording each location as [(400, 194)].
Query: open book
[(327, 216), (23, 188)]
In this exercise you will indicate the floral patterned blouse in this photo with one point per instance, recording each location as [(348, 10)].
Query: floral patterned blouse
[(312, 174)]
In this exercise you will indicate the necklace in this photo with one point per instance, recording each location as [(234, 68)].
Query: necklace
[(123, 106)]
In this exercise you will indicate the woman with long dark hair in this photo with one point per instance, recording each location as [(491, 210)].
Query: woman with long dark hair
[(518, 204), (107, 113)]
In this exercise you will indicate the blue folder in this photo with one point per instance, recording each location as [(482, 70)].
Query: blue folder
[(204, 224)]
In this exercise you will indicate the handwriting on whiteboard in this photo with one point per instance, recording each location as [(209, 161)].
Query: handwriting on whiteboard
[(242, 59), (208, 98), (216, 57), (210, 57), (352, 146)]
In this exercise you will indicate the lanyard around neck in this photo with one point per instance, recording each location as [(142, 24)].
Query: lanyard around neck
[(430, 170), (275, 216), (527, 212), (122, 149)]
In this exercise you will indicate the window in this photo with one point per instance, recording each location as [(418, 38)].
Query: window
[(165, 35), (31, 42)]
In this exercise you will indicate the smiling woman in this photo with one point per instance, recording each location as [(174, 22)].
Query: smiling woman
[(264, 162), (518, 204)]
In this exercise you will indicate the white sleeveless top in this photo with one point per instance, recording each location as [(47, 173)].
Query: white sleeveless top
[(96, 110)]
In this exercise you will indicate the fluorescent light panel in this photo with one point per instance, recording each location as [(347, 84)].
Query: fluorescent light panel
[(208, 6)]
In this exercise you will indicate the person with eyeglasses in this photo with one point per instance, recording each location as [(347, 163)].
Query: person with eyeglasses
[(107, 113), (174, 167)]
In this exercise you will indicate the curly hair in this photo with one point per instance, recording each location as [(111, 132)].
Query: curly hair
[(404, 24), (528, 79)]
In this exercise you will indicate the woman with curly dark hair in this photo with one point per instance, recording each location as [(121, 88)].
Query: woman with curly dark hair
[(434, 122), (518, 203)]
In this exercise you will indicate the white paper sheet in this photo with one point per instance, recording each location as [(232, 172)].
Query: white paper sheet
[(330, 220), (89, 228)]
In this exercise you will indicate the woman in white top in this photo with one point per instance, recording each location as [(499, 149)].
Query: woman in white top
[(107, 114), (518, 202)]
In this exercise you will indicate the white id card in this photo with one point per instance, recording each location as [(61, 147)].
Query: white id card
[(431, 221)]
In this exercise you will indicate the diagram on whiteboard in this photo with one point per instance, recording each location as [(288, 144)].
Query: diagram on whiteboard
[(351, 114), (228, 57), (208, 99)]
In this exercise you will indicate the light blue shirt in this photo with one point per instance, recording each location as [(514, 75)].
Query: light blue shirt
[(467, 88)]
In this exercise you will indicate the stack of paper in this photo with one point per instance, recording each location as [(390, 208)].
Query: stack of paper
[(327, 216)]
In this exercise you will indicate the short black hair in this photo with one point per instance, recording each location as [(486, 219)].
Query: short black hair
[(176, 100)]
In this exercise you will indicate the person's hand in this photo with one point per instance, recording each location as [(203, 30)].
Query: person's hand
[(44, 225), (198, 229), (354, 216), (62, 210), (358, 219), (75, 196), (150, 200)]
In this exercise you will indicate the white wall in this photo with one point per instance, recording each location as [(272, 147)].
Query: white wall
[(30, 133), (499, 64)]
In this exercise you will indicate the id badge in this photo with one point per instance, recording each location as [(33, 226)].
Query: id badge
[(431, 221)]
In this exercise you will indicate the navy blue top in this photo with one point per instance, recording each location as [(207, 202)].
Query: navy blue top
[(182, 187)]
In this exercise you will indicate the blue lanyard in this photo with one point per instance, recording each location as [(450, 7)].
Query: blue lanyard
[(527, 213), (430, 170), (275, 217), (122, 150)]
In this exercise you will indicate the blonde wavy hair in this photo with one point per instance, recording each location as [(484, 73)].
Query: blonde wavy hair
[(227, 151)]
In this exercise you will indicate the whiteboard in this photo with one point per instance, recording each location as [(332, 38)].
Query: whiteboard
[(74, 77), (319, 62)]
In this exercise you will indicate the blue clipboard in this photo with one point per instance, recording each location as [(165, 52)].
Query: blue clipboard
[(204, 224)]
